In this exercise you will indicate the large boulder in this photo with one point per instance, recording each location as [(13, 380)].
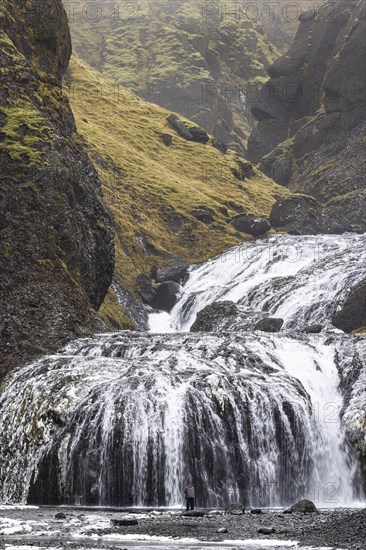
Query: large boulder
[(235, 509), (304, 506), (352, 314), (176, 271), (203, 214), (199, 135), (303, 214), (212, 317), (145, 288), (313, 329), (243, 170), (166, 296), (253, 225), (269, 324), (124, 522), (299, 214), (167, 139), (219, 145), (187, 130), (266, 530)]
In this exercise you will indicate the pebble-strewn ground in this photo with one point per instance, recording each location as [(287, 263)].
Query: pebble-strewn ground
[(38, 528)]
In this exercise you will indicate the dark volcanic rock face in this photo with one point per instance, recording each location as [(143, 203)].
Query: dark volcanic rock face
[(352, 314), (311, 114), (57, 253)]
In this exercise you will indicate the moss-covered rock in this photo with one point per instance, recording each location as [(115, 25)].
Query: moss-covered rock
[(269, 324), (56, 252)]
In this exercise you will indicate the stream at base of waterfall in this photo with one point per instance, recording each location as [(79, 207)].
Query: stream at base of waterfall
[(41, 528)]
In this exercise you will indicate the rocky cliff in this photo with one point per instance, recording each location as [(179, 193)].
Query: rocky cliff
[(57, 252), (311, 120)]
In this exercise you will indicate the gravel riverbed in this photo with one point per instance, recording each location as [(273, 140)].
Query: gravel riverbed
[(38, 528)]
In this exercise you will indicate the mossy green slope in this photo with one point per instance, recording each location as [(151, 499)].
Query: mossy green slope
[(152, 189), (205, 61)]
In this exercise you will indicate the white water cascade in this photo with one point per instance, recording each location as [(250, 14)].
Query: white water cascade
[(127, 418), (299, 279)]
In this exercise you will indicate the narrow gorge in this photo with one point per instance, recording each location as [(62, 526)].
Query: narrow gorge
[(183, 274)]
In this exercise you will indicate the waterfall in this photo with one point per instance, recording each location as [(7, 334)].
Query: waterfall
[(127, 418), (296, 278)]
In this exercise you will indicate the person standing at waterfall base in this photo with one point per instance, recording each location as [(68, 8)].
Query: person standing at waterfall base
[(189, 494)]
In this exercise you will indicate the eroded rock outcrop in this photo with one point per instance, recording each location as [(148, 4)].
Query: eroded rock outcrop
[(57, 253), (311, 114)]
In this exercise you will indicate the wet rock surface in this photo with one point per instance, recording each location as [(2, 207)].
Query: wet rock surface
[(89, 529), (352, 314), (176, 271), (212, 316), (269, 324), (166, 296)]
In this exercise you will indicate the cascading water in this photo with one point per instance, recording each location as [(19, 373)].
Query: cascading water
[(126, 418), (297, 278)]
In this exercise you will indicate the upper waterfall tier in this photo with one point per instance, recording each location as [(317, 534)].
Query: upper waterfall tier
[(299, 279)]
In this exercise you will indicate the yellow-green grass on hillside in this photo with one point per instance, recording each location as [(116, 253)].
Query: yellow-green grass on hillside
[(179, 57), (150, 188), (114, 315)]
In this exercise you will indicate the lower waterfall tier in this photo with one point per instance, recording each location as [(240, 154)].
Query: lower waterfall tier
[(128, 419)]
